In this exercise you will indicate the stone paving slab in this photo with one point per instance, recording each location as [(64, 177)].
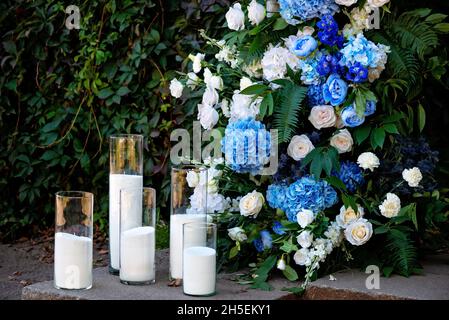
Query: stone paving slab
[(350, 284)]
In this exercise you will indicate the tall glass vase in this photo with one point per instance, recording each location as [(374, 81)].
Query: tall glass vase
[(188, 204), (73, 240), (125, 172)]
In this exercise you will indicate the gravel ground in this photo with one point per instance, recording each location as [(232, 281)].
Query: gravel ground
[(29, 261)]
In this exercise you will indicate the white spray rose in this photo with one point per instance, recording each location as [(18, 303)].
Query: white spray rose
[(251, 204), (235, 17), (377, 3), (342, 141), (302, 257), (237, 234), (305, 217), (256, 12), (391, 206), (299, 147), (346, 3), (192, 178), (208, 116), (192, 80), (322, 117), (210, 97), (305, 239), (176, 88), (348, 215), (368, 160), (412, 176), (359, 232), (197, 59)]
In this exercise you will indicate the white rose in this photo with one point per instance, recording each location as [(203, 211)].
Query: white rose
[(305, 239), (412, 176), (245, 83), (207, 75), (272, 7), (235, 17), (281, 264), (305, 217), (322, 117), (391, 206), (210, 97), (197, 61), (256, 12), (216, 82), (346, 3), (192, 80), (376, 3), (237, 234), (302, 257), (368, 160), (348, 215), (176, 88), (342, 141), (192, 178), (251, 204), (299, 147), (359, 232), (208, 116), (224, 105)]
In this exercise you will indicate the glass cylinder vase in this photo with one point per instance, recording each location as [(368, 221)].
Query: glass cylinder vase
[(188, 204), (199, 258), (73, 240), (137, 236), (125, 172)]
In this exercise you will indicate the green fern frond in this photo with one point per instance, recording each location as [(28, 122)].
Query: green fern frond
[(286, 112), (401, 252)]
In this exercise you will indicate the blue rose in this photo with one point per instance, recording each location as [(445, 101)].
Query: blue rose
[(350, 118), (335, 90), (370, 108), (304, 46)]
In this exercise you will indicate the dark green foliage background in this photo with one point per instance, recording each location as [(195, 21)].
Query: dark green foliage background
[(63, 92)]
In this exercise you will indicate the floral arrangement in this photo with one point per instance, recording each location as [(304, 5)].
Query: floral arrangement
[(343, 190)]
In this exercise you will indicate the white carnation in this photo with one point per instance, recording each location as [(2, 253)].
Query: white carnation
[(368, 160), (412, 176), (391, 206)]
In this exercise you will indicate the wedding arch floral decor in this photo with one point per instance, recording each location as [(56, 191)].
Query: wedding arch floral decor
[(310, 69)]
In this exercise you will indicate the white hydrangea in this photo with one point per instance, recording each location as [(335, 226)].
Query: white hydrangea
[(254, 69), (244, 106), (275, 61)]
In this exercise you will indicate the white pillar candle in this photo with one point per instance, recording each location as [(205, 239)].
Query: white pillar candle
[(116, 183), (199, 271), (137, 254), (73, 261), (176, 240)]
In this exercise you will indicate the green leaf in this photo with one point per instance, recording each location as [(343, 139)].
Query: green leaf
[(105, 93), (52, 125), (286, 114), (288, 246), (436, 18), (361, 134), (254, 89), (233, 252), (381, 229), (316, 167), (336, 182), (326, 163), (391, 128), (387, 271), (421, 117), (299, 291), (442, 27), (280, 24), (266, 105), (122, 91), (349, 201), (290, 273), (377, 137), (10, 47)]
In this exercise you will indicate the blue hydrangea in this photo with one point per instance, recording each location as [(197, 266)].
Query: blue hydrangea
[(305, 193), (306, 9), (246, 145), (351, 175), (308, 66), (361, 50), (315, 95), (357, 73), (278, 228)]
